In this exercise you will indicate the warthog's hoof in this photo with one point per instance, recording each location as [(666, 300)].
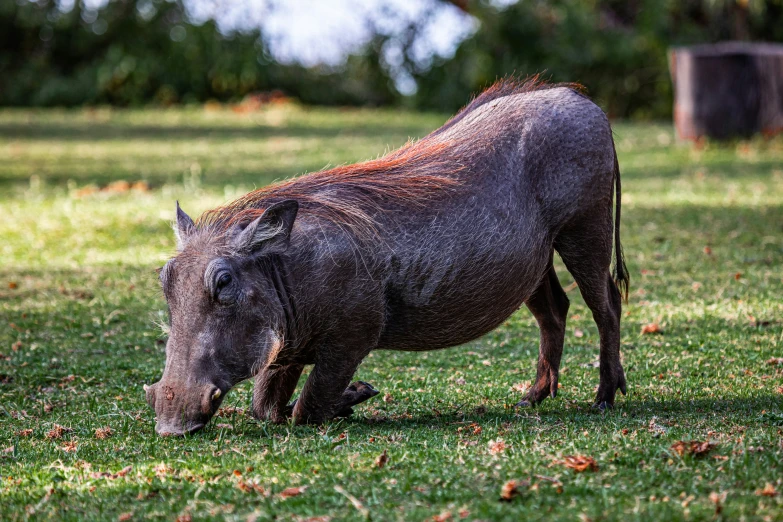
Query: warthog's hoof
[(356, 393), (603, 405)]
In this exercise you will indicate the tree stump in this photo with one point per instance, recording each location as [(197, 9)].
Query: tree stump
[(727, 90)]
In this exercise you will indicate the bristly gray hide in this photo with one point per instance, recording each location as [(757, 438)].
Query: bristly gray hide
[(428, 247)]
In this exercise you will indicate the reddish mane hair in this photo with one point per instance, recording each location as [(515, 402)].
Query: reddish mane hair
[(350, 195)]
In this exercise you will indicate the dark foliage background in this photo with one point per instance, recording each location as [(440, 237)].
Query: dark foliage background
[(134, 52)]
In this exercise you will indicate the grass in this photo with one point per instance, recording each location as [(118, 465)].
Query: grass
[(79, 300)]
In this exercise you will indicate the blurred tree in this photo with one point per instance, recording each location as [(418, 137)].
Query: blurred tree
[(616, 48), (137, 51), (140, 51)]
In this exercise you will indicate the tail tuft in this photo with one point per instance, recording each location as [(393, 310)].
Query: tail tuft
[(621, 278)]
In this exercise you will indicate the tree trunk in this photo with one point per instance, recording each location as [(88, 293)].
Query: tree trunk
[(727, 90)]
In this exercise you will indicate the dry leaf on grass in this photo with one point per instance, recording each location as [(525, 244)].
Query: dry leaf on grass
[(692, 447), (103, 433), (24, 433), (57, 432), (382, 459), (718, 499), (497, 446), (472, 429), (292, 492), (651, 328), (443, 517), (125, 516), (69, 447), (775, 361), (512, 489), (251, 485), (579, 463), (767, 491), (111, 476)]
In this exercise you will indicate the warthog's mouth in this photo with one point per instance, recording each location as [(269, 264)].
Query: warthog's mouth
[(192, 428)]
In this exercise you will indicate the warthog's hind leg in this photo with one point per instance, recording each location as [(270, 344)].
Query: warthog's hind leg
[(587, 253), (549, 305)]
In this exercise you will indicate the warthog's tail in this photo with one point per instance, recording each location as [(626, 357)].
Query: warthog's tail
[(620, 274)]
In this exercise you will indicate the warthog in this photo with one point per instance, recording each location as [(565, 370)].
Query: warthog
[(430, 246)]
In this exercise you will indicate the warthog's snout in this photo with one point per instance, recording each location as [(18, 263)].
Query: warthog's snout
[(181, 408)]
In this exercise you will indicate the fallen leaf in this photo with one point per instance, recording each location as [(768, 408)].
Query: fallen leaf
[(651, 328), (57, 432), (69, 447), (708, 251), (382, 459), (292, 492), (578, 333), (15, 347), (111, 476), (13, 285), (579, 463), (24, 433), (248, 486), (387, 398), (228, 411), (103, 433), (767, 491), (443, 517), (497, 446), (718, 499), (9, 449), (738, 276), (775, 361), (512, 488), (125, 516), (693, 447)]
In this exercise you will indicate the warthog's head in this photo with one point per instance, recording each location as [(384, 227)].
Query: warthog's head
[(225, 314)]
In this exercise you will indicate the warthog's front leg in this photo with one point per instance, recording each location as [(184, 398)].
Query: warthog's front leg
[(273, 389), (327, 393), (356, 393)]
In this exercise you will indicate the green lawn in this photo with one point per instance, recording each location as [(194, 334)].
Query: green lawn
[(80, 303)]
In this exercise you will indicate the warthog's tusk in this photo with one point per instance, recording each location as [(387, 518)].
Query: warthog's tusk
[(216, 395)]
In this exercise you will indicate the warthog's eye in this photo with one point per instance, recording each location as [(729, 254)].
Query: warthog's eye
[(223, 280)]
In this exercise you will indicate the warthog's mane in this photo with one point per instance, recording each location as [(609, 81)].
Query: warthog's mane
[(413, 175)]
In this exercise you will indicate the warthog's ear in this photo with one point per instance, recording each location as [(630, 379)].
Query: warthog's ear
[(270, 233), (183, 228)]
